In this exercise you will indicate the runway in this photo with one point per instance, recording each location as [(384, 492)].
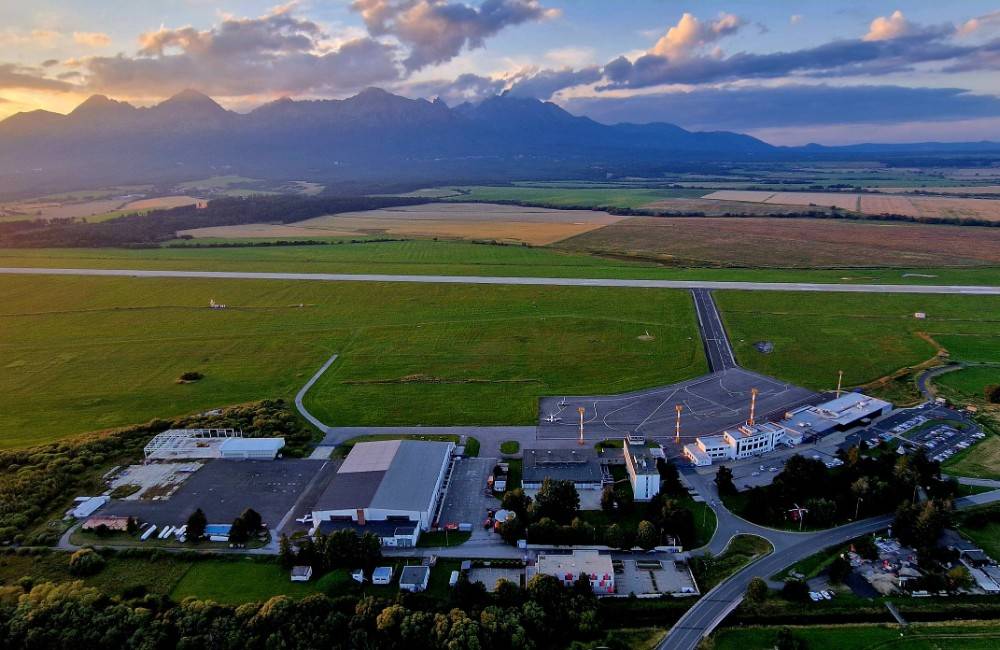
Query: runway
[(971, 290)]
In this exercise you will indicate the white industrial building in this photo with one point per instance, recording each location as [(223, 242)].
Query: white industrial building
[(568, 568), (251, 448), (389, 488), (748, 440), (641, 466)]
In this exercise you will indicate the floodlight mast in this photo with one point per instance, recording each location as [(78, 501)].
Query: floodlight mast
[(840, 381), (753, 406), (677, 426), (581, 411)]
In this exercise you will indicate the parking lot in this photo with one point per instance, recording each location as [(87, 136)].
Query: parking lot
[(942, 431), (467, 499), (225, 488)]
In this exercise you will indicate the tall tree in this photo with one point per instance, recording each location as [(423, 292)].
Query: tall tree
[(558, 500), (724, 481), (196, 526)]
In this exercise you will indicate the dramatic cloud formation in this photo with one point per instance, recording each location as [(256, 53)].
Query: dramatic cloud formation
[(275, 53), (690, 34), (437, 30), (980, 23), (799, 105), (546, 83), (465, 88), (884, 29), (91, 39), (16, 76)]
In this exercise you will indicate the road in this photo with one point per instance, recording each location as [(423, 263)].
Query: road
[(713, 607), (971, 290), (718, 352)]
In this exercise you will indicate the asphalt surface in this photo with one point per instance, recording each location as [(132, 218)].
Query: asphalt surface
[(718, 352), (710, 404), (713, 607), (559, 282)]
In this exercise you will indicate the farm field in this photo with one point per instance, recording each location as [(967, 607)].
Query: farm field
[(559, 195), (427, 257), (962, 189), (961, 635), (979, 461), (866, 336), (52, 209), (451, 221), (161, 202), (791, 242), (910, 205), (81, 354)]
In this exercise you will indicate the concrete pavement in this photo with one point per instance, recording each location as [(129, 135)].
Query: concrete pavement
[(971, 290), (718, 351)]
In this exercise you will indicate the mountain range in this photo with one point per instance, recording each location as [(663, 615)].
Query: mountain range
[(372, 135)]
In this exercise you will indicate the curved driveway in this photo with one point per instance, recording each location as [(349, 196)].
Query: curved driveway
[(472, 279)]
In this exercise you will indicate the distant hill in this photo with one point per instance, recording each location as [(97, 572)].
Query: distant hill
[(374, 135)]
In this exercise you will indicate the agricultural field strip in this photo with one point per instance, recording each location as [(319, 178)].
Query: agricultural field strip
[(462, 279)]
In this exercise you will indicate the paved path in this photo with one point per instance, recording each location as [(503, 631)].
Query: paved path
[(718, 351), (557, 282), (713, 607)]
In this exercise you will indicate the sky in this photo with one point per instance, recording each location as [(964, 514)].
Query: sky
[(789, 72)]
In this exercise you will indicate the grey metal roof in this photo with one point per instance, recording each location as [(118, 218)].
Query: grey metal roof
[(577, 465), (414, 574), (388, 528), (408, 483), (412, 476), (350, 491)]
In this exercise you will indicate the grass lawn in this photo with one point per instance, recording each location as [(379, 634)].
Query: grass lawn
[(510, 447), (962, 635), (242, 581), (987, 537), (981, 460), (742, 550), (813, 565), (156, 576), (867, 336), (81, 354), (967, 384), (427, 257)]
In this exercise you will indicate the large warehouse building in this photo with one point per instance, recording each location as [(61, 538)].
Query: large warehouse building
[(580, 466), (389, 488)]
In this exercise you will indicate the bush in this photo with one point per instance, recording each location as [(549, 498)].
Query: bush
[(795, 591), (85, 562), (191, 376), (993, 394)]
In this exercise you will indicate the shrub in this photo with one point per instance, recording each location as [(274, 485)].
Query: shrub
[(85, 562)]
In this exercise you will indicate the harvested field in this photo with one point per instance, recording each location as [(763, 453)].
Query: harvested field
[(720, 208), (965, 189), (914, 206), (160, 202), (443, 220), (792, 242), (42, 209)]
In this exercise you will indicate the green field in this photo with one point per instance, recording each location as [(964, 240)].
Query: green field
[(981, 460), (972, 635), (427, 257), (569, 197), (741, 551), (865, 335), (968, 383), (246, 581), (81, 354), (156, 576)]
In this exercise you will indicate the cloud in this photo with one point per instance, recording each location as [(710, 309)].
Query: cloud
[(91, 39), (545, 83), (834, 59), (884, 29), (42, 38), (466, 87), (274, 53), (795, 19), (690, 34), (437, 30), (979, 24), (788, 106), (29, 78)]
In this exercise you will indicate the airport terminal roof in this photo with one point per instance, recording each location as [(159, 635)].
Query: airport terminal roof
[(252, 444), (850, 407), (387, 474), (577, 465)]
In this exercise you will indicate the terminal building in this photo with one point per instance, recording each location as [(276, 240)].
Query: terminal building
[(580, 466), (800, 425), (390, 488)]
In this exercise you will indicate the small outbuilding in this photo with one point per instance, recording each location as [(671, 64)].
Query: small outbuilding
[(302, 573), (251, 448), (382, 575), (414, 578)]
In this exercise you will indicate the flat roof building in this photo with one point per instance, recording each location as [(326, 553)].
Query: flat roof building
[(642, 471), (838, 414), (394, 481), (414, 578), (567, 568), (577, 465), (251, 448)]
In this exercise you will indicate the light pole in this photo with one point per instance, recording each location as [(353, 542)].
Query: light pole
[(857, 508)]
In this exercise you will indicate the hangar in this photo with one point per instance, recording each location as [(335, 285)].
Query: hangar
[(389, 487)]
